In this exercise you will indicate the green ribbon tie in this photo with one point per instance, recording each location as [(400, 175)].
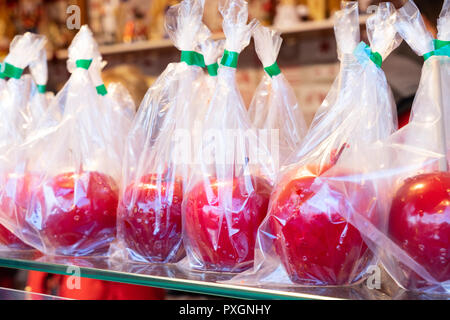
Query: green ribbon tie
[(363, 53), (441, 48), (273, 70), (101, 90), (193, 58), (41, 88), (83, 63), (230, 59), (11, 71), (212, 69)]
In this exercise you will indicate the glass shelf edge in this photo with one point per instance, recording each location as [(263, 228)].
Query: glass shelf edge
[(199, 287)]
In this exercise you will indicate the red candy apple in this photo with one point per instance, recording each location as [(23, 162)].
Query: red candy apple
[(419, 222), (225, 240), (14, 201), (8, 239), (314, 241), (76, 213), (150, 218)]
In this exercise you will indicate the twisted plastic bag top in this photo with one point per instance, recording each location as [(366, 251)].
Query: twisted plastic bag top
[(25, 49), (274, 105), (267, 44), (39, 68), (383, 36), (444, 22), (237, 31), (83, 47), (212, 50), (183, 25), (411, 28), (95, 70), (346, 28)]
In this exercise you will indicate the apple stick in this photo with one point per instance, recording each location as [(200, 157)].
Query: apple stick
[(437, 85)]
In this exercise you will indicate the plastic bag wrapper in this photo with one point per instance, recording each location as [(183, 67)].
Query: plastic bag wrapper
[(212, 51), (274, 107), (23, 51), (157, 152), (63, 196), (410, 174), (39, 100), (307, 237), (228, 190), (205, 86), (117, 105), (15, 118)]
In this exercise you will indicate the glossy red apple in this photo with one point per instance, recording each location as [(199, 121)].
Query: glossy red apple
[(314, 241), (14, 201), (224, 240), (419, 222), (75, 213), (150, 218)]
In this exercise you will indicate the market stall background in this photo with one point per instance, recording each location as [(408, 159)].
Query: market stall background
[(131, 33)]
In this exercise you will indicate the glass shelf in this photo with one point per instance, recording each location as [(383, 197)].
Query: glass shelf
[(175, 278), (12, 294)]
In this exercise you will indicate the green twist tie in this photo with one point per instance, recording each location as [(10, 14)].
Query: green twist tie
[(363, 53), (41, 88), (83, 63), (441, 48), (273, 70), (101, 90), (212, 69), (193, 58), (230, 59), (11, 71)]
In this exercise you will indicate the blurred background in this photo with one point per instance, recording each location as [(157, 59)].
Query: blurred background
[(132, 39)]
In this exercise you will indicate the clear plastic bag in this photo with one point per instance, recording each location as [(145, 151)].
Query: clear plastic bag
[(117, 105), (410, 172), (307, 237), (274, 106), (39, 99), (157, 156), (14, 102), (212, 51), (65, 190), (228, 190)]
